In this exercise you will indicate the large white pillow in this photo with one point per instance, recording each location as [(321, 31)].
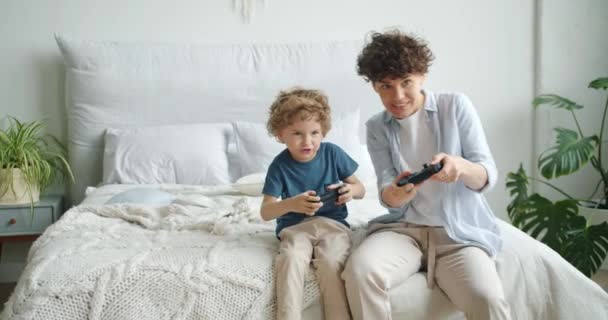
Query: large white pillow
[(181, 154), (251, 184), (255, 148)]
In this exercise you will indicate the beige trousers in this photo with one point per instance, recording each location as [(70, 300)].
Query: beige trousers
[(324, 242), (393, 252)]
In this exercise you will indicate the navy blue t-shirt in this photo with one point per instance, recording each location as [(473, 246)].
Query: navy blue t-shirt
[(287, 177)]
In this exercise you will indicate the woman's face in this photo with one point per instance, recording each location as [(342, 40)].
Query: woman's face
[(402, 97)]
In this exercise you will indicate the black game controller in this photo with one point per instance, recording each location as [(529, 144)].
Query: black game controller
[(332, 194), (418, 177)]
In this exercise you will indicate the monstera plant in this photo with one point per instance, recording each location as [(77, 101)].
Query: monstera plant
[(560, 224)]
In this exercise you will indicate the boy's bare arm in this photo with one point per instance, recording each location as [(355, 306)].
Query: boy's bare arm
[(304, 203)]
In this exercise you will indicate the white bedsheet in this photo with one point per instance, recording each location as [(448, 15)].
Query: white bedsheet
[(209, 256)]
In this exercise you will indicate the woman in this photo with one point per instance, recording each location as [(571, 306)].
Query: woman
[(443, 225)]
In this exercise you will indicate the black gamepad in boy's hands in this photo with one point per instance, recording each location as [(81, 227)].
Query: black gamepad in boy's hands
[(417, 177), (332, 194)]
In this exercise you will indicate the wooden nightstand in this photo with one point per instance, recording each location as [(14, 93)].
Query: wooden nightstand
[(17, 224)]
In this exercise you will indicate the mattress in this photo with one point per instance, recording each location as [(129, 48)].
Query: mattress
[(206, 256), (209, 256)]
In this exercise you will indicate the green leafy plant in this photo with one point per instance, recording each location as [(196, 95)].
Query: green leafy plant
[(40, 157), (559, 224)]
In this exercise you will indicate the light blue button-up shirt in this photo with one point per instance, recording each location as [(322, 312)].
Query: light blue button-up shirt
[(457, 130)]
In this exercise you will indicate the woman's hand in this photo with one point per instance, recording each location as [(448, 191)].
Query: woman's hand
[(457, 168), (396, 196), (452, 168), (306, 203)]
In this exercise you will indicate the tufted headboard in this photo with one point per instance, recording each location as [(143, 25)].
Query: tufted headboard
[(120, 85)]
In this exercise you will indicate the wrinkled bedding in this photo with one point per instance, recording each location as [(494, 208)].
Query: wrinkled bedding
[(209, 256), (205, 256)]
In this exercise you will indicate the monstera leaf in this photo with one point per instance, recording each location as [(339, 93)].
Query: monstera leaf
[(599, 83), (517, 183), (570, 154), (547, 221), (559, 224), (557, 101), (586, 248)]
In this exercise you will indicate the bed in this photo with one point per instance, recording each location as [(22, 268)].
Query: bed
[(168, 147)]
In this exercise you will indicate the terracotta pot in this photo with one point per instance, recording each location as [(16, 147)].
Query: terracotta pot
[(21, 195), (595, 216)]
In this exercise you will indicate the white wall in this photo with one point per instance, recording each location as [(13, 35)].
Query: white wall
[(483, 48)]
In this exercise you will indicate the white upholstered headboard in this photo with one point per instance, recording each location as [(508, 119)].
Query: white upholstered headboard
[(121, 85)]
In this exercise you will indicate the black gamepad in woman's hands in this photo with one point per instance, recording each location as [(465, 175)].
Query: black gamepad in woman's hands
[(418, 177)]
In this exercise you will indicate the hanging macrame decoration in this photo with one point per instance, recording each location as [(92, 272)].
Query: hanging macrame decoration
[(247, 8)]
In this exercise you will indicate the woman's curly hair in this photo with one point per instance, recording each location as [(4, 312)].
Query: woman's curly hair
[(393, 54), (298, 104)]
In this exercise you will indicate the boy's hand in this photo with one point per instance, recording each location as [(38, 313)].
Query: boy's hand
[(306, 203), (345, 192)]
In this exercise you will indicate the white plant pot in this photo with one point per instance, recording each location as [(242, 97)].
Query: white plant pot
[(20, 194), (595, 216)]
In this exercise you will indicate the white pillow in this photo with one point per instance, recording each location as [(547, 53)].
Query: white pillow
[(143, 196), (251, 184), (365, 172), (255, 148), (345, 131), (180, 154)]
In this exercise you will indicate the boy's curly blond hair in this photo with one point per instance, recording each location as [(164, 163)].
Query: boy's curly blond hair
[(297, 104)]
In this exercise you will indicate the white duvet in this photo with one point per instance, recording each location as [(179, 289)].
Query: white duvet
[(209, 256)]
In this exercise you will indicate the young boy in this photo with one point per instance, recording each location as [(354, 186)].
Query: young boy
[(309, 230)]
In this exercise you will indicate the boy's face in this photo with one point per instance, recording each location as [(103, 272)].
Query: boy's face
[(401, 97), (302, 138)]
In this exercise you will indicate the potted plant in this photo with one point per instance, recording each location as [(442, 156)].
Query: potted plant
[(560, 224), (29, 162)]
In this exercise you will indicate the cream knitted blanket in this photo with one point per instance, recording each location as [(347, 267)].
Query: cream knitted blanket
[(210, 259)]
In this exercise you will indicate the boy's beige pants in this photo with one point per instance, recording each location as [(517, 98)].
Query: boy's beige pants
[(391, 253), (324, 242)]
